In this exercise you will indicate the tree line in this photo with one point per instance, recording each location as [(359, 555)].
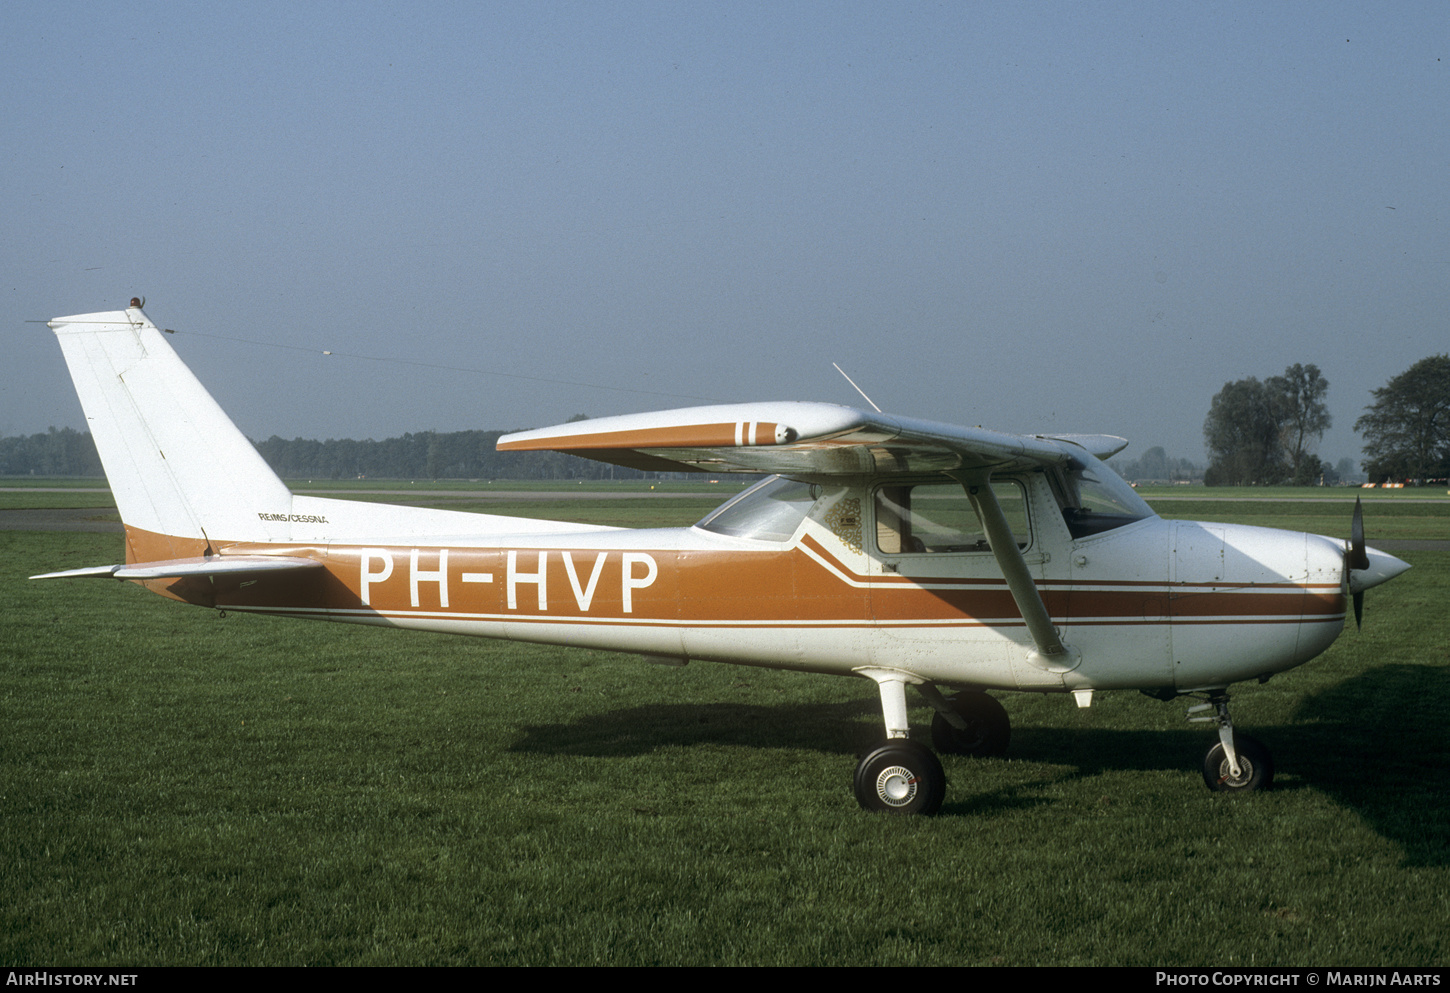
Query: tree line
[(1263, 433), (1257, 433), (1157, 466), (424, 455), (57, 452), (430, 455)]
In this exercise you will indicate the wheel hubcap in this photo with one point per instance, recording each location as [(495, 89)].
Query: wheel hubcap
[(896, 786), (1246, 772)]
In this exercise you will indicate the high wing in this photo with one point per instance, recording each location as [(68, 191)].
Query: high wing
[(805, 439)]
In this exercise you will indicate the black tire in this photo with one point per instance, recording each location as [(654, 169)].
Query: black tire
[(901, 777), (1256, 767), (988, 727)]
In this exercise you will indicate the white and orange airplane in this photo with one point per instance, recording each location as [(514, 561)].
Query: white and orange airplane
[(903, 551)]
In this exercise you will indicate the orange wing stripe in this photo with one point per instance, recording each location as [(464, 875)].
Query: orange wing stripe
[(731, 434)]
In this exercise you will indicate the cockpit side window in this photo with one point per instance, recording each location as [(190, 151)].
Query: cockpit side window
[(771, 510), (926, 518)]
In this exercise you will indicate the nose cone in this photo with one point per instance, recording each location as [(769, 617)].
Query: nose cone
[(1382, 568)]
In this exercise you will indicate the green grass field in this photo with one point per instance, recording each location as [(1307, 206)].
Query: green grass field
[(1422, 513), (1381, 519), (178, 788)]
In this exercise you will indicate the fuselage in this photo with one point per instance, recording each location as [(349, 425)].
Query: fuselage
[(844, 575)]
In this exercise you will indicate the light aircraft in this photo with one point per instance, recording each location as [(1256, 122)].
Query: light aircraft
[(902, 551)]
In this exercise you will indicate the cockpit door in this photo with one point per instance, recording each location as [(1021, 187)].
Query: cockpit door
[(938, 597)]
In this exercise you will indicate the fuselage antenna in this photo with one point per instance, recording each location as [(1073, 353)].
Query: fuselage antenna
[(858, 389)]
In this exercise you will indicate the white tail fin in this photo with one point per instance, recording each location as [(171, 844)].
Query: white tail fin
[(176, 463), (180, 469)]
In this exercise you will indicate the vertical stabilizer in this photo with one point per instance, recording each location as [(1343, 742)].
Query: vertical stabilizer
[(177, 465)]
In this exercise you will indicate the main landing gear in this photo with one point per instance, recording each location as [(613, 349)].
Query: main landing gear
[(1238, 763), (984, 728), (904, 776)]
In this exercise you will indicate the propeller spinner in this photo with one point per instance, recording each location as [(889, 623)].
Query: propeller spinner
[(1366, 567)]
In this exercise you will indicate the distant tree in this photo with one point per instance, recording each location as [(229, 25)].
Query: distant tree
[(1242, 432), (1262, 433), (1318, 472), (1298, 398), (1156, 466), (1344, 469), (1153, 464), (1407, 428), (57, 452)]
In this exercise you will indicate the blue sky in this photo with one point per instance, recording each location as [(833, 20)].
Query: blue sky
[(1034, 217)]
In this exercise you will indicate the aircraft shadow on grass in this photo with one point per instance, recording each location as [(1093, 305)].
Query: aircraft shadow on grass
[(1375, 743), (637, 730)]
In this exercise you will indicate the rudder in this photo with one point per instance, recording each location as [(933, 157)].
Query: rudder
[(176, 463)]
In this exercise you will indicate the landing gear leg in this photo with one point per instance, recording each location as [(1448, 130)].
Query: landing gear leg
[(1238, 763), (968, 723), (901, 776)]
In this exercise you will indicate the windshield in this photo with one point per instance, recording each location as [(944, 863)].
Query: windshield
[(1095, 499), (771, 510)]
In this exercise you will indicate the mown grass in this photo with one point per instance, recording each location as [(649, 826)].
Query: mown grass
[(70, 500), (1389, 514), (1296, 493), (179, 788), (1382, 519), (53, 482)]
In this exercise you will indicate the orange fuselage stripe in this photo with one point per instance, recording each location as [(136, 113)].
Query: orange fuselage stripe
[(691, 587)]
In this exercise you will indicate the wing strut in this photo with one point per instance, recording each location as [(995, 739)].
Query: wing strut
[(1051, 654)]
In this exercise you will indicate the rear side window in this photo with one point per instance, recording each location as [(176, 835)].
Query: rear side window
[(771, 510)]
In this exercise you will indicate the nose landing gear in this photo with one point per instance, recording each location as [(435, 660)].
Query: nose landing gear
[(1238, 763)]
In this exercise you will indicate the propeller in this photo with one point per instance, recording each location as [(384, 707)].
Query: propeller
[(1355, 557), (1366, 567)]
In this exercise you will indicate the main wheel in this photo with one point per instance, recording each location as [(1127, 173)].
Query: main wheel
[(1256, 767), (901, 777), (987, 732)]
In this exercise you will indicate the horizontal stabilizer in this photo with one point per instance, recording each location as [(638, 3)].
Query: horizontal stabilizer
[(211, 565)]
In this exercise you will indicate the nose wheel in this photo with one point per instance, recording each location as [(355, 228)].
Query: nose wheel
[(1238, 763), (1255, 767)]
